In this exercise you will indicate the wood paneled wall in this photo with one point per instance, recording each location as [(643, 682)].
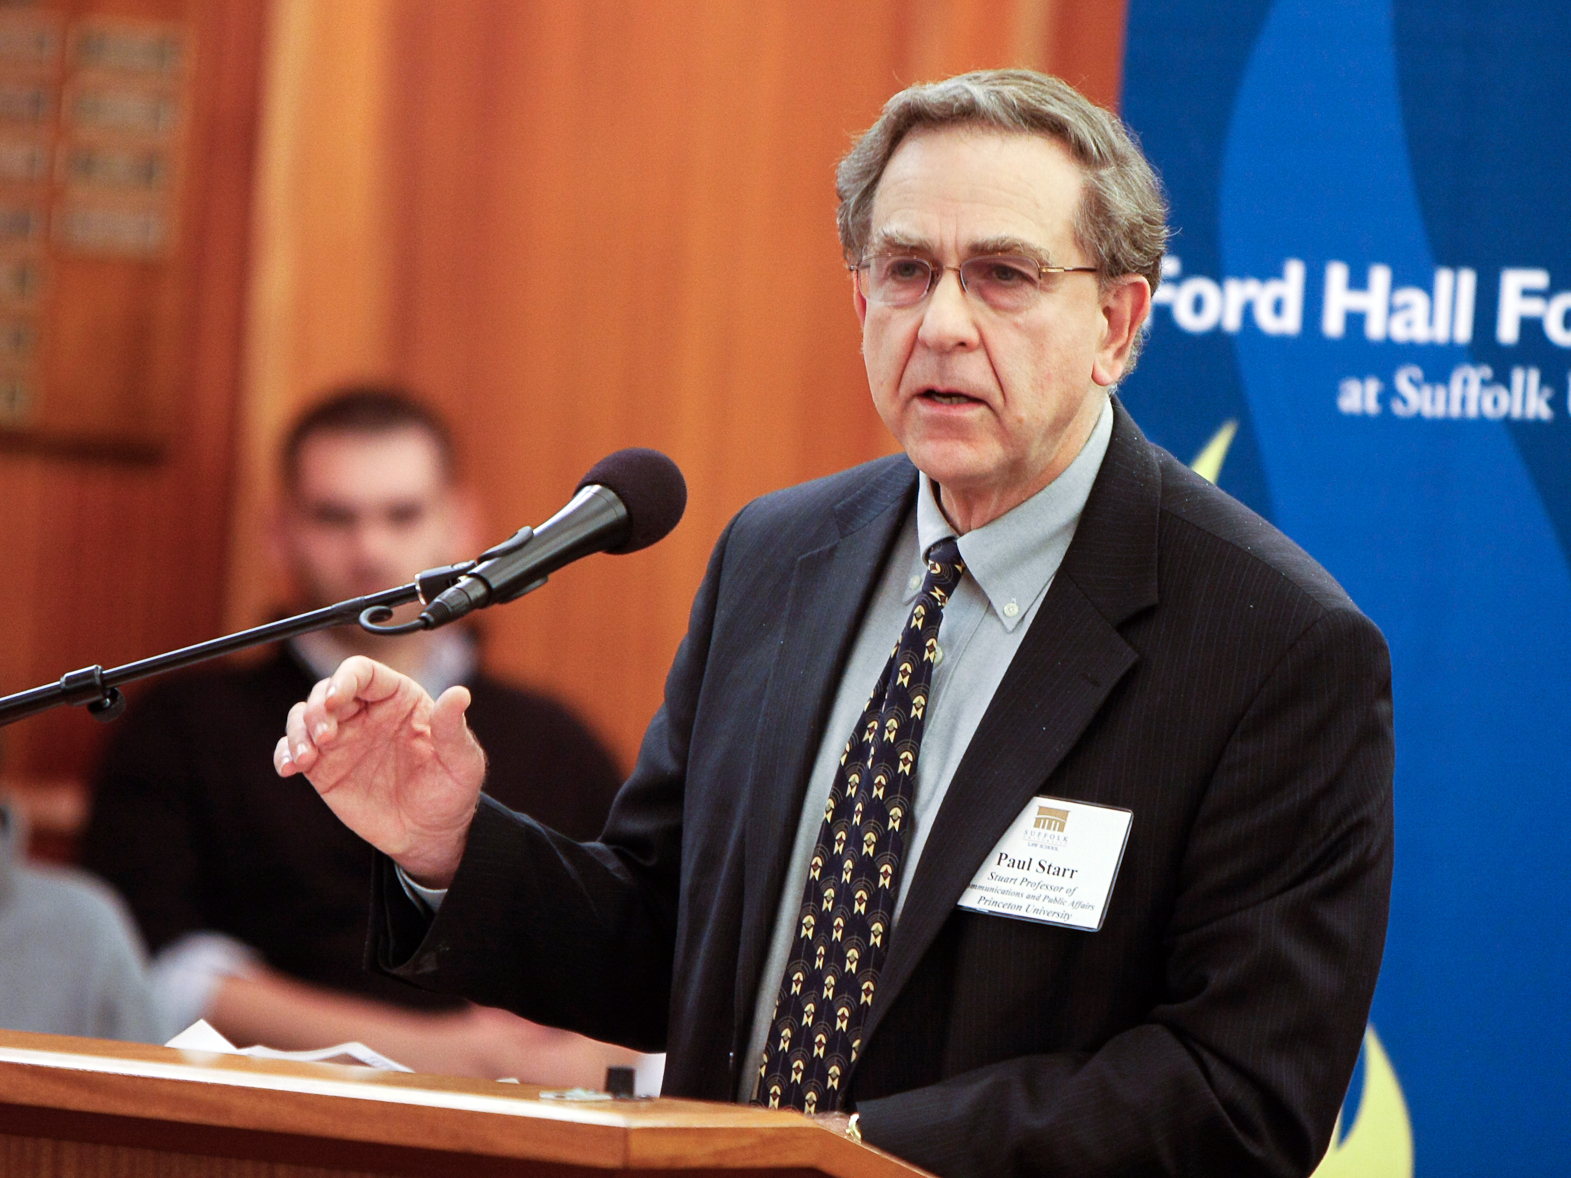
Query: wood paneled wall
[(591, 224), (107, 558), (578, 225)]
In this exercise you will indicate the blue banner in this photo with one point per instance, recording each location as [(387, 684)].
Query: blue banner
[(1365, 332)]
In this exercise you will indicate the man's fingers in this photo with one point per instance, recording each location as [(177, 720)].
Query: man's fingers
[(357, 682), (314, 725), (448, 729), (359, 679), (298, 746), (312, 713), (321, 718), (283, 763)]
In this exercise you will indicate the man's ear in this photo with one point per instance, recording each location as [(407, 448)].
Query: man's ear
[(858, 301), (1126, 304)]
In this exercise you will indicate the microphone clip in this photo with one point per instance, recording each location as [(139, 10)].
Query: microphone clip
[(429, 585), (433, 582)]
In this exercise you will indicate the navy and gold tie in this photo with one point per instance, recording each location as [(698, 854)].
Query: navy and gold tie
[(847, 911)]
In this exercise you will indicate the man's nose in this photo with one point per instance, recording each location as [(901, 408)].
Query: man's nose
[(948, 322)]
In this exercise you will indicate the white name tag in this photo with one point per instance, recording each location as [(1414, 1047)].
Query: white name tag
[(1056, 865)]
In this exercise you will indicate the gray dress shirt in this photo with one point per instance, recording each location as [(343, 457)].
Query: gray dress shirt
[(1010, 563)]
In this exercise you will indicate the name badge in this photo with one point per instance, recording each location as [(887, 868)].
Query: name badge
[(1055, 865)]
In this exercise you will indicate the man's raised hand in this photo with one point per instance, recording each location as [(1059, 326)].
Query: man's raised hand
[(401, 771)]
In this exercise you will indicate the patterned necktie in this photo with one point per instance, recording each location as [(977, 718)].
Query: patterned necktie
[(848, 905)]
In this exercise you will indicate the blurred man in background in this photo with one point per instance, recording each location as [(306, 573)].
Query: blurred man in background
[(251, 894)]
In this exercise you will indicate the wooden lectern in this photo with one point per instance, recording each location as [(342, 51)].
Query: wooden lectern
[(86, 1106)]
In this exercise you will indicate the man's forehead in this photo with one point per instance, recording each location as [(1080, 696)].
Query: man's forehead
[(979, 189), (370, 466)]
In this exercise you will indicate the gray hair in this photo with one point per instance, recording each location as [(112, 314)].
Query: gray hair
[(1121, 223)]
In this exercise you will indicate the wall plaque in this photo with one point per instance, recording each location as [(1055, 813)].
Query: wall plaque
[(94, 114)]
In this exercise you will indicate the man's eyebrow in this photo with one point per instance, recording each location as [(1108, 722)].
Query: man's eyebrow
[(892, 241), (1018, 246), (896, 242)]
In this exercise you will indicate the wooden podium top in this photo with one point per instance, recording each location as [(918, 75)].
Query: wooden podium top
[(327, 1117)]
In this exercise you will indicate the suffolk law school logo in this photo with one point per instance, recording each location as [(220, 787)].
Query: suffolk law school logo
[(1444, 311), (1048, 828)]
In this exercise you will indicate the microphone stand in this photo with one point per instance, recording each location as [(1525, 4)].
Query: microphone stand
[(98, 690)]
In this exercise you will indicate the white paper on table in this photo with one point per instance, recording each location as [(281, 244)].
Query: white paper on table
[(201, 1036)]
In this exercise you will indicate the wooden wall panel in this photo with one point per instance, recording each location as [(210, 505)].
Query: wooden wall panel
[(590, 224), (106, 559)]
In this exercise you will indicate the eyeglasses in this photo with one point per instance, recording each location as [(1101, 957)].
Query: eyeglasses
[(1002, 281)]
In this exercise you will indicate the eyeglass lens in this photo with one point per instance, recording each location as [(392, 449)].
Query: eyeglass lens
[(1001, 282)]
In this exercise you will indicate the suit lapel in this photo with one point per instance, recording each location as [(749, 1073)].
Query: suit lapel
[(829, 591), (1067, 664)]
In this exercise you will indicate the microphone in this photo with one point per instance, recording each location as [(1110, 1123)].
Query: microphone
[(627, 501)]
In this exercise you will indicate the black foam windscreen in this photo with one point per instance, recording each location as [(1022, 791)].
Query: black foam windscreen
[(649, 485)]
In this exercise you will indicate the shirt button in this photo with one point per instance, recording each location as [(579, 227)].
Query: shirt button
[(938, 655), (1011, 609), (914, 583)]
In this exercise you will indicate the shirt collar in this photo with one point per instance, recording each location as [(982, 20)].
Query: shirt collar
[(450, 661), (1013, 558)]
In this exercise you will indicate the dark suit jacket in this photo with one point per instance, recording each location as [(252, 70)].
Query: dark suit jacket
[(1189, 663)]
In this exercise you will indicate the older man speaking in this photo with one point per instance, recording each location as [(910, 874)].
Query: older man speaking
[(1095, 881)]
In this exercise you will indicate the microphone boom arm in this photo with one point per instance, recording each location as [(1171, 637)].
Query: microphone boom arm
[(627, 501), (98, 690)]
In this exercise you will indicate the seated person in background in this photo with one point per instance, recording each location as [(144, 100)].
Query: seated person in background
[(70, 959), (251, 894)]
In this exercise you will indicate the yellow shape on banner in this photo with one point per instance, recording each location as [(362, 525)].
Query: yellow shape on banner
[(1208, 463), (1380, 1143)]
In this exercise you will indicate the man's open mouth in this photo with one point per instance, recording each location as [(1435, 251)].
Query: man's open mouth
[(942, 397)]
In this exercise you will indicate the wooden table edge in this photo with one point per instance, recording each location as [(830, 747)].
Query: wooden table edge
[(468, 1117)]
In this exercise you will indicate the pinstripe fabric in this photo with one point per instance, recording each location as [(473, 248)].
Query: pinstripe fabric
[(1189, 663)]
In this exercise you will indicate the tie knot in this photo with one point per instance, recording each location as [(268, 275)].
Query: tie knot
[(944, 569)]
